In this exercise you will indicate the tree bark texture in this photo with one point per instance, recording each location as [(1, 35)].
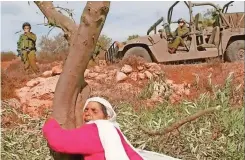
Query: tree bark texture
[(72, 90)]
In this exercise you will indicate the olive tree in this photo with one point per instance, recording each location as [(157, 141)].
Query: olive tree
[(72, 90)]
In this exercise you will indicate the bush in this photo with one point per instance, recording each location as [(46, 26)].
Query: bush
[(219, 135), (104, 41), (7, 56), (132, 37), (52, 49), (54, 45), (57, 49)]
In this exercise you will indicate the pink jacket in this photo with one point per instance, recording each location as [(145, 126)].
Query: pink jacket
[(84, 140)]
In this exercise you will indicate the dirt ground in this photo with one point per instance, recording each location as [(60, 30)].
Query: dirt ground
[(6, 64), (218, 72), (13, 78), (184, 73)]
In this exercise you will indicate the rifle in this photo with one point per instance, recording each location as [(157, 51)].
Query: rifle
[(20, 55)]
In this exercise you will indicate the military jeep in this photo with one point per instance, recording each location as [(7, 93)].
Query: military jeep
[(225, 39)]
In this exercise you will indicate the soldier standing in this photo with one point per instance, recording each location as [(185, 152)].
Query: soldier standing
[(27, 48), (180, 33)]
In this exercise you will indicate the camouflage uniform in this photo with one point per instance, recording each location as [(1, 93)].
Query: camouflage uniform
[(179, 32), (27, 46)]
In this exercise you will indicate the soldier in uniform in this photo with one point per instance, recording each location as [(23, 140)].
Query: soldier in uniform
[(180, 33), (27, 48)]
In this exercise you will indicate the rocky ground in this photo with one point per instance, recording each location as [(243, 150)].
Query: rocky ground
[(127, 81), (147, 97)]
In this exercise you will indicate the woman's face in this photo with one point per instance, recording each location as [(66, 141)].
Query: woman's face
[(93, 111)]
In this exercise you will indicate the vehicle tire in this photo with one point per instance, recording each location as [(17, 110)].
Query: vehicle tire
[(235, 51), (138, 51)]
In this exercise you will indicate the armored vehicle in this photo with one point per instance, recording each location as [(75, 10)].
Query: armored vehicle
[(225, 39)]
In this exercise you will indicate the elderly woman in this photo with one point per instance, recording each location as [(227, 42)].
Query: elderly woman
[(99, 139)]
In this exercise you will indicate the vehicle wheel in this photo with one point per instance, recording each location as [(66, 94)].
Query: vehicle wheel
[(138, 51), (235, 51)]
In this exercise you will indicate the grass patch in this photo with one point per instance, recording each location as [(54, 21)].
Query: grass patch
[(218, 135), (23, 141)]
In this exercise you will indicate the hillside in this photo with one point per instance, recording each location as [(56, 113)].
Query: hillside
[(147, 96)]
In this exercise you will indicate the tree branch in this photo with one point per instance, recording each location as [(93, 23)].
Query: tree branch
[(68, 11), (181, 122), (56, 18), (50, 30)]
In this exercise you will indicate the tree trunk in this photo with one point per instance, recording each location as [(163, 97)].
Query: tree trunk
[(71, 82)]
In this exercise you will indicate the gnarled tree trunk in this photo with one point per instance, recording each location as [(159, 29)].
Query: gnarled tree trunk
[(67, 109)]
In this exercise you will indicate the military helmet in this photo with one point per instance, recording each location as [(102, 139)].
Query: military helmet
[(181, 20), (26, 24)]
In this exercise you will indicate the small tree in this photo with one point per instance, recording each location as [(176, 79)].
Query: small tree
[(133, 37), (102, 45), (210, 17), (71, 90), (104, 41), (53, 48), (54, 45)]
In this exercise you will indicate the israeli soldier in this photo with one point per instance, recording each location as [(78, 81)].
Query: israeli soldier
[(27, 48), (180, 33)]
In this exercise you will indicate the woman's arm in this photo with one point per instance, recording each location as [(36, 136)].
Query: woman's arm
[(76, 141)]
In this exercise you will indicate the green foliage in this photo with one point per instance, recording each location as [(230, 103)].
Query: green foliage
[(133, 37), (156, 85), (215, 136), (24, 141), (219, 135), (207, 22), (210, 17), (147, 92), (56, 48), (104, 41), (210, 13), (53, 45)]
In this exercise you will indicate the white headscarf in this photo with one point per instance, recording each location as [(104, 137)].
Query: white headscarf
[(110, 139), (109, 109)]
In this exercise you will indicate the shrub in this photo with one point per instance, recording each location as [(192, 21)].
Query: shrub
[(7, 56)]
